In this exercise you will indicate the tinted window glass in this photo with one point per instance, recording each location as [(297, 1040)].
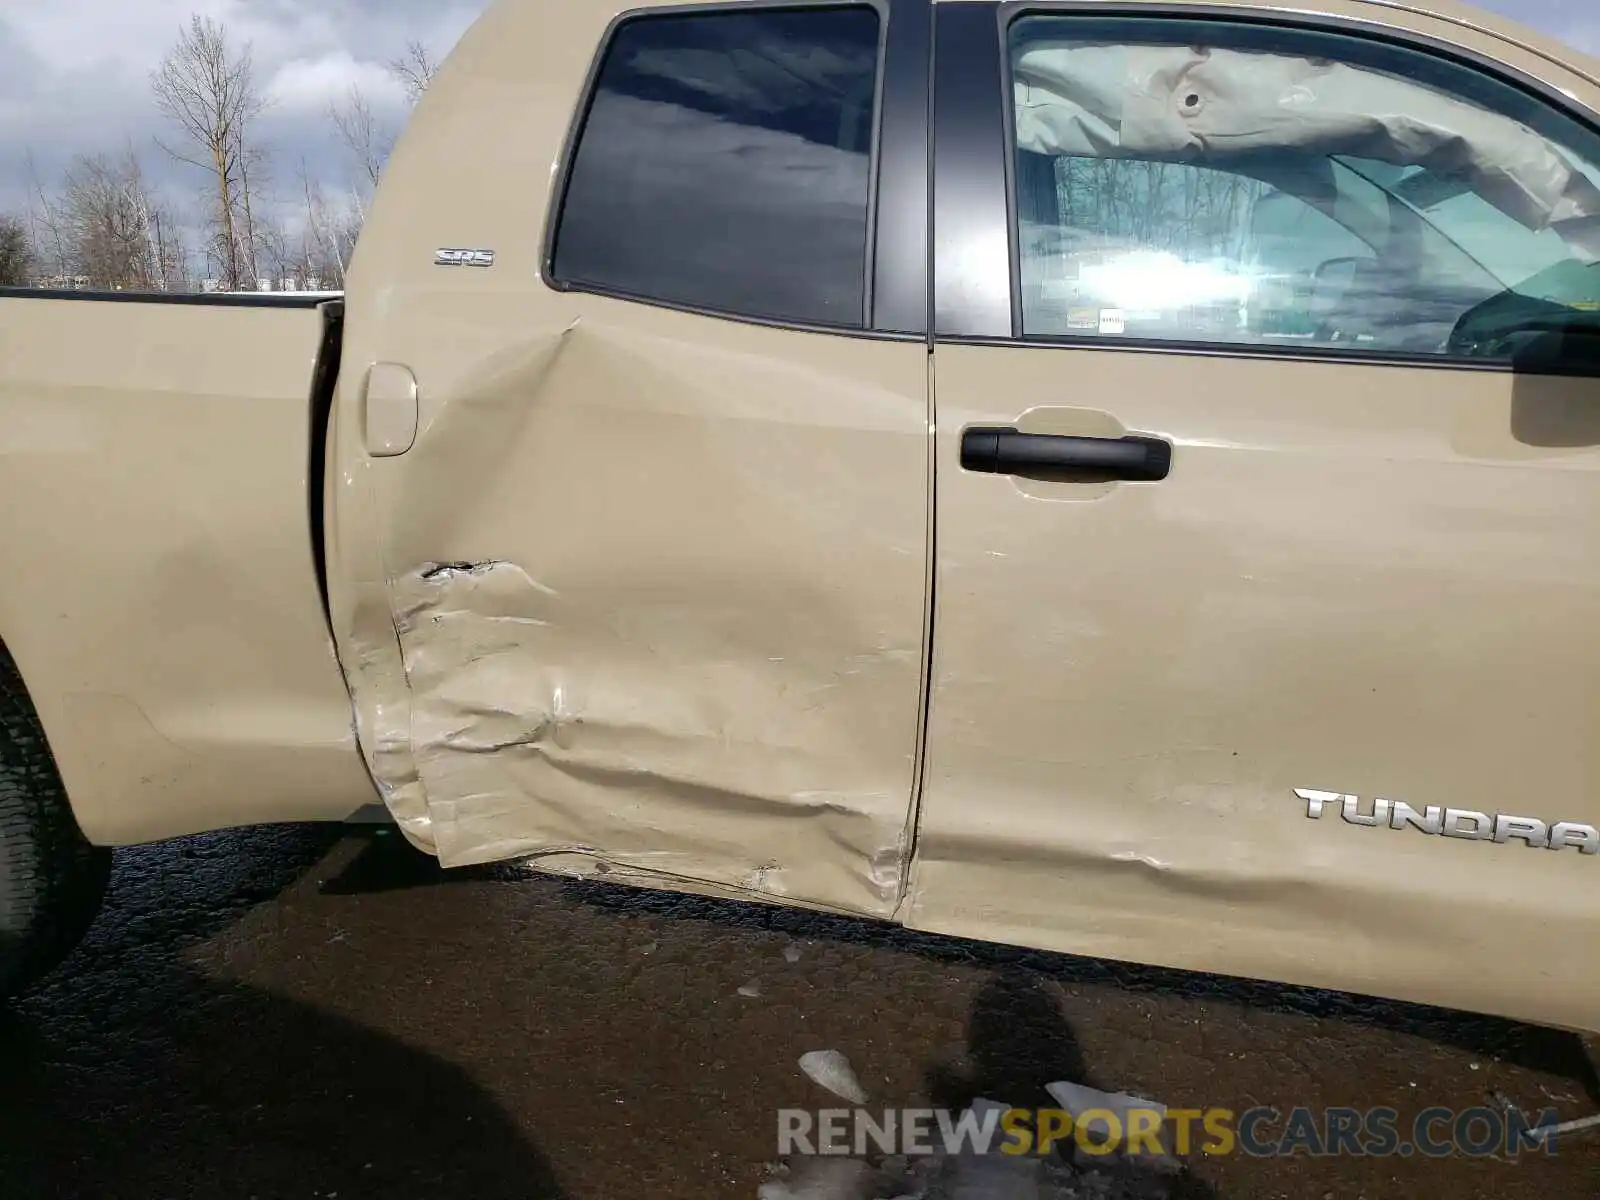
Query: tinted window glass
[(1215, 183), (725, 164)]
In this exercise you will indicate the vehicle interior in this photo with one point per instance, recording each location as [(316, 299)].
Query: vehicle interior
[(1332, 251)]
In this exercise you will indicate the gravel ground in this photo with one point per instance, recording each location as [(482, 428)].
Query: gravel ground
[(320, 1012)]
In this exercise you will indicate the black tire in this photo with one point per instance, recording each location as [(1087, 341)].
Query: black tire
[(51, 879)]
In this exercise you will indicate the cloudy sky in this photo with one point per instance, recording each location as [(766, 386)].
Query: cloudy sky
[(75, 77), (74, 74)]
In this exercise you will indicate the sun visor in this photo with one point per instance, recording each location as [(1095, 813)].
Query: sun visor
[(1184, 103)]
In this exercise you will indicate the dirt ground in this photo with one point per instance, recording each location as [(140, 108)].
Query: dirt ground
[(308, 1012)]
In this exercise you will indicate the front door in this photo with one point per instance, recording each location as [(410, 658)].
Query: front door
[(1268, 563)]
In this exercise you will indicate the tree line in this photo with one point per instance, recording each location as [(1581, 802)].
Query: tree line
[(102, 225)]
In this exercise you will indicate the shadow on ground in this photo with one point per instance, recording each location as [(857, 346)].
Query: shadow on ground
[(1532, 1047), (146, 1067), (388, 863), (1018, 1041), (130, 1074)]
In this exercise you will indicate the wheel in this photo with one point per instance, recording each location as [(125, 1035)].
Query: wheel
[(51, 879)]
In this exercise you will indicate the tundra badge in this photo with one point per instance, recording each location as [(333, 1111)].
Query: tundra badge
[(1455, 822), (463, 258)]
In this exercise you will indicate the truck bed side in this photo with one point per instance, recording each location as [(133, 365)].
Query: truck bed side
[(160, 592)]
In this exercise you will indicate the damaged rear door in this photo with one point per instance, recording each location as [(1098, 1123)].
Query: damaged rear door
[(630, 536)]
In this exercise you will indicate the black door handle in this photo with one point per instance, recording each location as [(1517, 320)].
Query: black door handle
[(1001, 450)]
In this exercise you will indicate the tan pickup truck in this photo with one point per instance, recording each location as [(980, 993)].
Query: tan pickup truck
[(1121, 478)]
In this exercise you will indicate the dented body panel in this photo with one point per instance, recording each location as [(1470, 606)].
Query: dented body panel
[(633, 612), (648, 595)]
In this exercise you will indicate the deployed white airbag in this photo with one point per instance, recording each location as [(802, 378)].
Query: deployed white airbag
[(1185, 103)]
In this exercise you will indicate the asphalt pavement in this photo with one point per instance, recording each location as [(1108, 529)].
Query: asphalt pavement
[(321, 1012)]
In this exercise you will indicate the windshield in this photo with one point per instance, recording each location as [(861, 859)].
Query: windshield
[(1507, 249)]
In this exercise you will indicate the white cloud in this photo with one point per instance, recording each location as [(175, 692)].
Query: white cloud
[(75, 75), (309, 85), (120, 38)]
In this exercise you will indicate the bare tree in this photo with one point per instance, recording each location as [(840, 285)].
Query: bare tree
[(169, 246), (166, 234), (251, 158), (106, 237), (110, 223), (47, 230), (415, 70), (361, 134), (16, 253), (208, 92), (329, 234), (279, 252)]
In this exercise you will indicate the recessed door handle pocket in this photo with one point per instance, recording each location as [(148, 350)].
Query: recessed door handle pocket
[(1002, 450)]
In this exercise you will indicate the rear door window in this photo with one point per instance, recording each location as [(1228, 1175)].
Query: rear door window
[(725, 165)]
